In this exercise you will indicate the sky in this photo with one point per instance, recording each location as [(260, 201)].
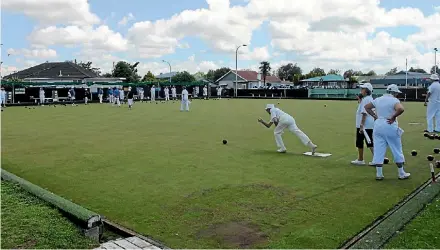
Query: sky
[(199, 35)]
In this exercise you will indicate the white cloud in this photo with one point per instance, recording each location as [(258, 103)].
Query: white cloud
[(257, 54), (437, 8), (6, 70), (34, 53), (190, 66), (126, 19), (52, 12), (100, 38)]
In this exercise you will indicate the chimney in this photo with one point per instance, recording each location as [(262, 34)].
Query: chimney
[(60, 74)]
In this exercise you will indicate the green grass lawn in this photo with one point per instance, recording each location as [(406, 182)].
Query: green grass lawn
[(167, 174), (422, 232), (28, 223)]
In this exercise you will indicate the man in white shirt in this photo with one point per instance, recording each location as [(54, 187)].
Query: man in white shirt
[(174, 93), (121, 95), (364, 124), (219, 93), (167, 93), (205, 92), (42, 96), (153, 93), (3, 97), (386, 131), (433, 102), (185, 101), (141, 93), (282, 121)]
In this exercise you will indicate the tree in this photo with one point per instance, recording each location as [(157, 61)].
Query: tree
[(433, 70), (288, 71), (199, 76), (126, 70), (214, 75), (317, 72), (107, 75), (334, 72), (265, 70), (149, 77), (370, 73), (418, 70), (392, 71), (184, 76), (88, 66), (349, 73)]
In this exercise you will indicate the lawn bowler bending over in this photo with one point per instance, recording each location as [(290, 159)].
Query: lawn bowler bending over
[(386, 130), (282, 121)]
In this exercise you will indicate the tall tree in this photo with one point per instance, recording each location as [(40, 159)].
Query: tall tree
[(417, 70), (288, 71), (265, 70), (334, 72), (433, 70), (214, 75), (317, 72), (184, 76), (89, 66), (149, 77), (392, 71), (126, 70)]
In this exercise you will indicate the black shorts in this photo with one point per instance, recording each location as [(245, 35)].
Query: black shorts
[(360, 138)]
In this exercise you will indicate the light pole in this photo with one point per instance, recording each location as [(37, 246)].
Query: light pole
[(236, 67), (170, 68), (435, 60)]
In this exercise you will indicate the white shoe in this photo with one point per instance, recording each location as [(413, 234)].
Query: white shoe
[(281, 150), (380, 178), (358, 162), (314, 147), (405, 176), (371, 164)]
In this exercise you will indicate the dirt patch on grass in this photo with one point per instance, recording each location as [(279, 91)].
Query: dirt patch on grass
[(235, 234)]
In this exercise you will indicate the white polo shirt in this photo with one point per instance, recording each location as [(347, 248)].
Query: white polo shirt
[(277, 114), (434, 89), (369, 120), (185, 95), (385, 107)]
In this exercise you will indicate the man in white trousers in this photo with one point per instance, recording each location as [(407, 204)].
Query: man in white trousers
[(100, 94), (219, 93), (130, 96), (141, 93), (41, 96), (205, 92), (167, 93), (185, 101), (153, 93), (3, 97), (386, 132), (282, 121), (121, 95), (86, 96), (433, 102), (174, 93)]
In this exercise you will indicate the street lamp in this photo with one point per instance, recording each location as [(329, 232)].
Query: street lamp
[(170, 68), (236, 67), (435, 60)]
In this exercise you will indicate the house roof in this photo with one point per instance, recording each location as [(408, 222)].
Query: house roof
[(402, 75), (251, 76), (54, 70), (327, 78)]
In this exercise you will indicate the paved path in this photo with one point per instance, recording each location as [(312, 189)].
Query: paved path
[(128, 243)]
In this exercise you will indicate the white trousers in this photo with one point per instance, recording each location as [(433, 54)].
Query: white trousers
[(153, 97), (41, 99), (387, 135), (184, 105), (174, 95), (142, 96), (289, 123), (117, 101), (100, 98), (86, 99), (111, 100), (167, 97), (433, 113), (130, 102)]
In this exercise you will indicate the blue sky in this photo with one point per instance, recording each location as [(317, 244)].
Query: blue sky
[(18, 25)]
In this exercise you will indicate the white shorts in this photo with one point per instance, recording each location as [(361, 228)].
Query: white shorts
[(130, 102)]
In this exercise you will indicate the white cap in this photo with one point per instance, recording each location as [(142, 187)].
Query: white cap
[(270, 106), (434, 77), (367, 85), (393, 88)]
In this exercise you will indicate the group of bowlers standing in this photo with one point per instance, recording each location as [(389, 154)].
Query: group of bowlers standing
[(376, 124)]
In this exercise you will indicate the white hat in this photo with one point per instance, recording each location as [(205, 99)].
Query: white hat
[(367, 85), (270, 106), (393, 88), (434, 77)]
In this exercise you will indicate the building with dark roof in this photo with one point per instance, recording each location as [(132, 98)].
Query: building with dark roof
[(331, 81), (59, 72), (166, 75), (246, 79), (415, 80)]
